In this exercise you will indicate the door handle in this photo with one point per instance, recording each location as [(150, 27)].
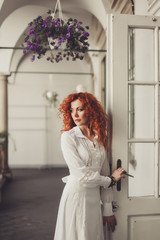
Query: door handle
[(119, 164)]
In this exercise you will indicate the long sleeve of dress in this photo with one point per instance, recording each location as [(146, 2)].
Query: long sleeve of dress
[(106, 193), (77, 168)]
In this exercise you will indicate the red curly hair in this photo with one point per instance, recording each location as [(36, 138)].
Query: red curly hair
[(98, 120)]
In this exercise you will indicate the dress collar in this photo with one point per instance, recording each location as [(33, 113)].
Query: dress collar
[(79, 133)]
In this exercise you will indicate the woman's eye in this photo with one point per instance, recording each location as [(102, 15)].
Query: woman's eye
[(80, 109)]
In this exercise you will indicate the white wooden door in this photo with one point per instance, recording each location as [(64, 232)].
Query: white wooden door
[(133, 102)]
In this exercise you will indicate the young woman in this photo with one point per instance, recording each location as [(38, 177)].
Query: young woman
[(84, 142)]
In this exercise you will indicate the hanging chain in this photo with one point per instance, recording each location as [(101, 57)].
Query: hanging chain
[(59, 9)]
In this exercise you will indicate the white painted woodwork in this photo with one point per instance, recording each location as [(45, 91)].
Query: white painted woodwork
[(144, 227), (138, 212), (154, 7)]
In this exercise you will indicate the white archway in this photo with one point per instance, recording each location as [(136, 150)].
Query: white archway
[(12, 59)]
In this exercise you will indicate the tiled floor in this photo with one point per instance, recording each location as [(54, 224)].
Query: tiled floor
[(30, 203)]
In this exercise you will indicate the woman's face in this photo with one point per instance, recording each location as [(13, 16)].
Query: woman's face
[(78, 113)]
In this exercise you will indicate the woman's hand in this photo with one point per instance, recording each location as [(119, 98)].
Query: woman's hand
[(111, 222), (118, 174)]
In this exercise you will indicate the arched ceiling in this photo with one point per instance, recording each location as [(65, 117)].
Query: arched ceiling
[(121, 6), (97, 7), (15, 16), (69, 6)]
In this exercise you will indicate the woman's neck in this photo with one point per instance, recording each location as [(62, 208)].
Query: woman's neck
[(86, 132)]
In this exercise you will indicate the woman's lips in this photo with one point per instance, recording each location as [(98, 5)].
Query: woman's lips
[(77, 120)]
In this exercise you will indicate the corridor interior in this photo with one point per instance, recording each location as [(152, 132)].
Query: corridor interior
[(30, 203)]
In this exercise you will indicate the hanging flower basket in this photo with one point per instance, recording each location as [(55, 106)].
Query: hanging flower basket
[(65, 39)]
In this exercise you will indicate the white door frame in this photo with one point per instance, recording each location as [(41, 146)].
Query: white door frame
[(136, 208)]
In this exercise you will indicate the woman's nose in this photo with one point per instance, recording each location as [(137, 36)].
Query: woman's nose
[(76, 114)]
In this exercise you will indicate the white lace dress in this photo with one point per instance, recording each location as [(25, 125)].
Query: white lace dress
[(80, 211)]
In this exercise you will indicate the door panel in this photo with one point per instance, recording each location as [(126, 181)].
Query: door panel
[(133, 73), (144, 227)]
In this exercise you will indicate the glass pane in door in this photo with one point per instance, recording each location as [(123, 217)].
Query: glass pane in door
[(141, 166), (141, 111), (141, 53)]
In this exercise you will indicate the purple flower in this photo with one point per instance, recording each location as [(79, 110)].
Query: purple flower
[(81, 57), (49, 11), (56, 20), (58, 23), (59, 43), (32, 58), (44, 25), (31, 32), (69, 29), (32, 47), (47, 33), (38, 18), (57, 29), (63, 39), (38, 48), (28, 43), (86, 34), (68, 35), (78, 27), (24, 52), (58, 33)]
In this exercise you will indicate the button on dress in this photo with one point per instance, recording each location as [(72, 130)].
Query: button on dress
[(80, 210)]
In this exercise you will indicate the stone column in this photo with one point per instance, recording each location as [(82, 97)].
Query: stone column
[(5, 171)]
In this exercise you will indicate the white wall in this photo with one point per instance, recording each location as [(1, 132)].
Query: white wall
[(32, 124), (141, 7)]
